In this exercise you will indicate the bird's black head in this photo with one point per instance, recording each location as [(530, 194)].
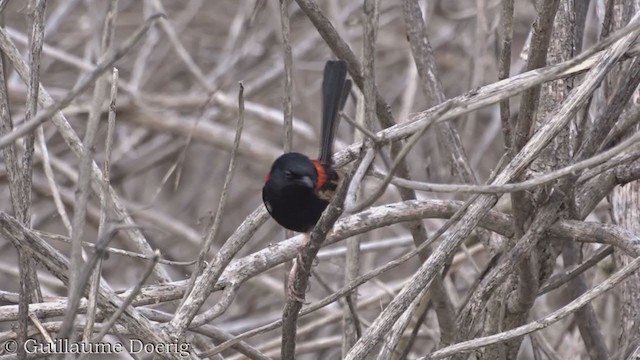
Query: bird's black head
[(293, 170)]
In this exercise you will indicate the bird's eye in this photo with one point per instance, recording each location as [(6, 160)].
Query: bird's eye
[(288, 174)]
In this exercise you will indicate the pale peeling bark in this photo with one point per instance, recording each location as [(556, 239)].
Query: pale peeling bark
[(625, 211), (517, 296)]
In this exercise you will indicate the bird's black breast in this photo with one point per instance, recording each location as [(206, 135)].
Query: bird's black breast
[(294, 208)]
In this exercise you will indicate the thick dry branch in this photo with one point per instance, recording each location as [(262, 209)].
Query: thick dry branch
[(490, 94), (539, 324), (52, 112), (303, 265), (537, 58), (204, 285), (53, 108), (245, 268), (476, 211), (58, 265)]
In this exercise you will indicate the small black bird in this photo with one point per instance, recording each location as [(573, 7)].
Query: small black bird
[(298, 189)]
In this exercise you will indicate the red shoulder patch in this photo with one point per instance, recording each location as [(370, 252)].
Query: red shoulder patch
[(322, 174)]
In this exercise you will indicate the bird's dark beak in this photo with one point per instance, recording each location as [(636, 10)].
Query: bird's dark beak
[(306, 181)]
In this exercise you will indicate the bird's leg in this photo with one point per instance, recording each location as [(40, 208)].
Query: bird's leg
[(292, 293), (297, 263), (306, 237)]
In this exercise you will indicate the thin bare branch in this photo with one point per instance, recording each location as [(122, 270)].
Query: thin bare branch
[(222, 203), (49, 111), (303, 265), (548, 320)]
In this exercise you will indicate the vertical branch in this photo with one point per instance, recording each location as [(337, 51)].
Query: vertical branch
[(481, 33), (288, 75), (366, 115), (48, 170), (308, 254), (106, 180), (561, 47), (432, 88), (15, 187), (37, 8), (196, 293), (536, 268), (287, 102), (6, 126), (586, 318), (504, 67), (425, 63), (625, 202), (537, 57), (520, 202), (29, 287), (85, 173), (372, 14), (350, 319)]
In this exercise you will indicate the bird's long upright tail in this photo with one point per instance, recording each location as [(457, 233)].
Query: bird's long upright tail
[(335, 89)]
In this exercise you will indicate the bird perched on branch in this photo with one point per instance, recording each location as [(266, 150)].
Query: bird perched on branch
[(297, 189)]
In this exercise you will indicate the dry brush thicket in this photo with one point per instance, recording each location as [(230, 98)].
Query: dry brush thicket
[(491, 146)]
